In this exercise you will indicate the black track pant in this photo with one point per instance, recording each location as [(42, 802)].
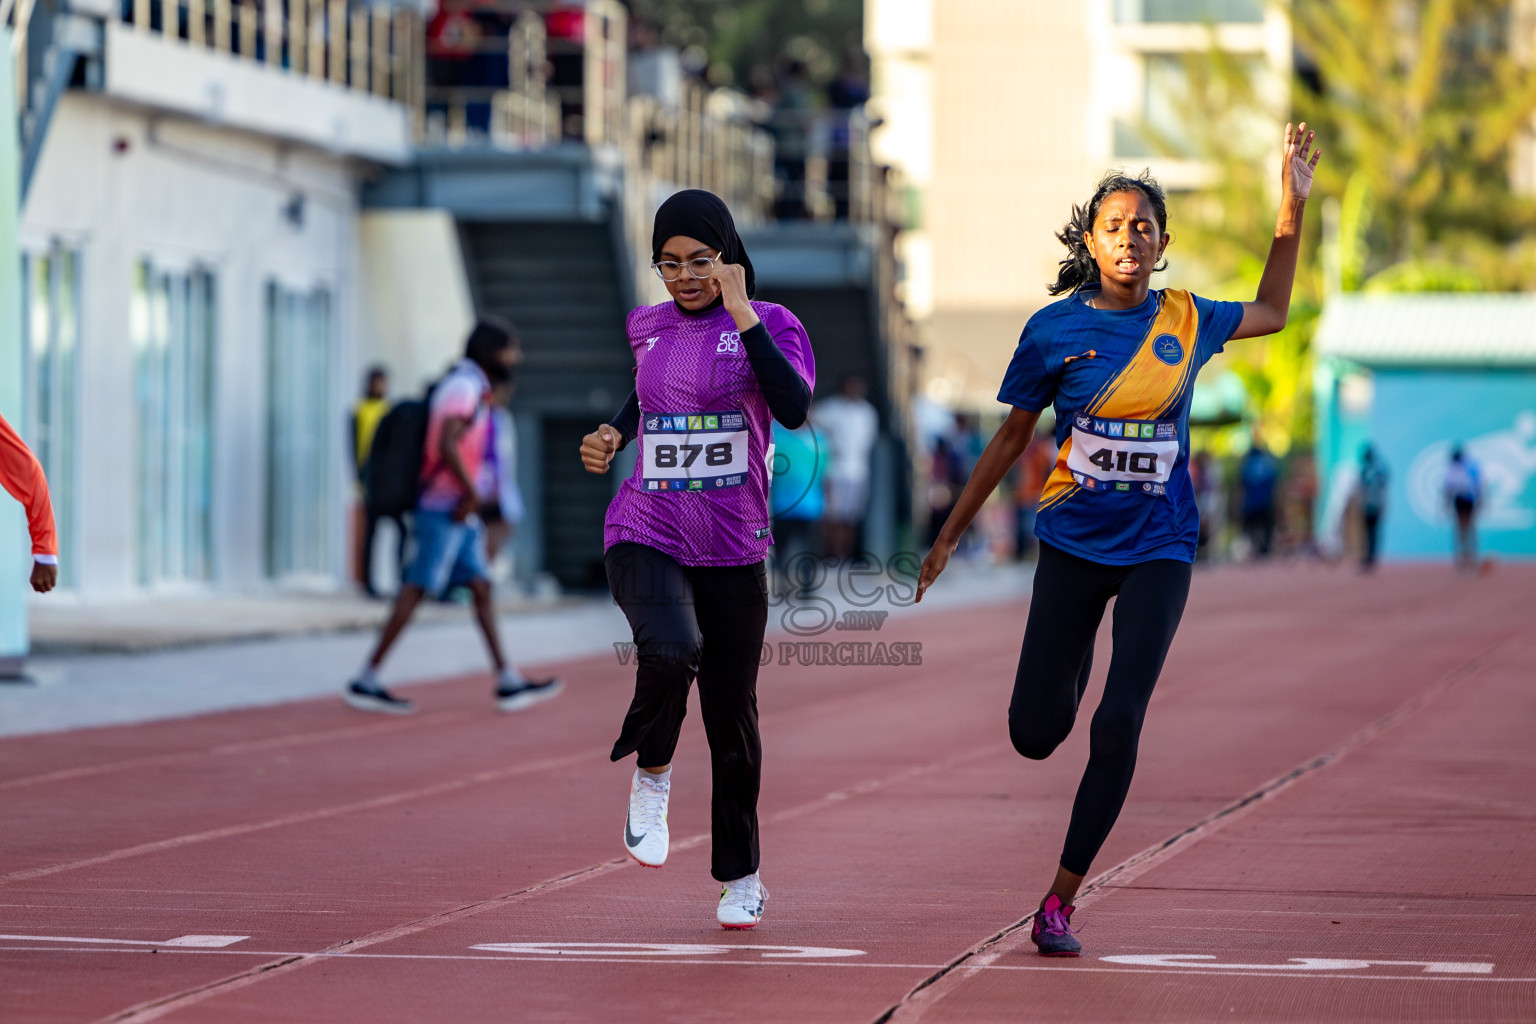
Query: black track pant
[(1069, 599), (705, 622)]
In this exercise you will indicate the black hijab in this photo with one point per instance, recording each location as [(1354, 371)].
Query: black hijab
[(695, 213)]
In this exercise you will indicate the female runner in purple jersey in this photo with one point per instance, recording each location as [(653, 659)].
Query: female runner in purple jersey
[(686, 535), (1117, 359)]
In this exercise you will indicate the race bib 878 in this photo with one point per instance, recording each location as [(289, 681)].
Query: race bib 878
[(697, 451), (1122, 455)]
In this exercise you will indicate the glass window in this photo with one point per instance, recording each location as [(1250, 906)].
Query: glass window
[(172, 326), (50, 297), (1169, 103), (300, 432), (1189, 10)]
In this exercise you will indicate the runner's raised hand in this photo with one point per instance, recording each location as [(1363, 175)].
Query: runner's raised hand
[(1296, 168)]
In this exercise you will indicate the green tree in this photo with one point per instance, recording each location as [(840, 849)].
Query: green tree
[(1424, 109)]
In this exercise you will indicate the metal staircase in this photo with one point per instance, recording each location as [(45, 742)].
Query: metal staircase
[(562, 284)]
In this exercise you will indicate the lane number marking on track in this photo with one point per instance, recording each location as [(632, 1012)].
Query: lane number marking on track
[(1297, 963), (199, 941), (665, 949)]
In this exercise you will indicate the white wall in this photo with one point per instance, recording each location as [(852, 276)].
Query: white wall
[(121, 184), (415, 305)]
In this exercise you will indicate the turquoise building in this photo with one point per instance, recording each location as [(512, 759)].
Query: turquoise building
[(1416, 375)]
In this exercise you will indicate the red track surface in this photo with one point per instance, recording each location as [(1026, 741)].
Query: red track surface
[(1387, 722)]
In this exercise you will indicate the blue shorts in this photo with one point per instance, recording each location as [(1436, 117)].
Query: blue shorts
[(446, 554)]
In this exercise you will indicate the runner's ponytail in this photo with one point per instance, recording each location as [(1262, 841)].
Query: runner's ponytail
[(1080, 268)]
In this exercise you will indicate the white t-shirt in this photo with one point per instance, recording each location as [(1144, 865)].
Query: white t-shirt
[(851, 427)]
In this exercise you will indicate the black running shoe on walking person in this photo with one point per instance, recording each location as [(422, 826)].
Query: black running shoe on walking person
[(371, 696), (514, 693), (1052, 932)]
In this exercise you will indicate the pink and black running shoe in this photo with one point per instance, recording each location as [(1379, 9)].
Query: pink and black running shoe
[(1052, 931)]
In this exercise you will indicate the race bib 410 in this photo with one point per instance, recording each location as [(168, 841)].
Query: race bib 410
[(696, 451), (1122, 455)]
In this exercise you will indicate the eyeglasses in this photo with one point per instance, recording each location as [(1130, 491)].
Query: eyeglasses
[(700, 268)]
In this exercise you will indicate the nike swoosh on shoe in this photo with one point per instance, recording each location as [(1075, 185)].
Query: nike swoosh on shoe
[(630, 839)]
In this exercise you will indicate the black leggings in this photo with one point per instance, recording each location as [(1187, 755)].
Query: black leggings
[(1069, 599), (705, 622)]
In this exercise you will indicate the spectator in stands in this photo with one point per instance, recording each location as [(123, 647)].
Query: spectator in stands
[(366, 414), (22, 476), (794, 109), (1463, 488), (1259, 473), (1373, 502), (850, 425), (846, 94)]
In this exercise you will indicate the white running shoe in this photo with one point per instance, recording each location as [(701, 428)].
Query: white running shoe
[(645, 827), (741, 903)]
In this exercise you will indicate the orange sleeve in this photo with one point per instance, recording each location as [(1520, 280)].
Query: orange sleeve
[(22, 476)]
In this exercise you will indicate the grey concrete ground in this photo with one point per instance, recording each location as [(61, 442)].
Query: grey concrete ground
[(73, 691)]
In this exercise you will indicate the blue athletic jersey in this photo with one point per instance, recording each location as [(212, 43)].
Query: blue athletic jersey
[(1120, 381)]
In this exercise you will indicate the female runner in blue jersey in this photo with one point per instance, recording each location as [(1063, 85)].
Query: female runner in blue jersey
[(1117, 517)]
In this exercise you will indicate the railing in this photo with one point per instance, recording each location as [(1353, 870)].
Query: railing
[(357, 46), (522, 114), (824, 167), (566, 81), (707, 141), (365, 48)]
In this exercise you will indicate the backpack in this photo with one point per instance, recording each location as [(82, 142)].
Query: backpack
[(393, 480)]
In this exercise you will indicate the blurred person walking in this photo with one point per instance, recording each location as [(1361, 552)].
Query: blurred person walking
[(851, 426), (1030, 473), (361, 426), (1463, 489), (501, 499), (447, 533), (1372, 490), (1205, 475), (1118, 516), (1259, 474), (22, 477), (686, 535), (946, 476)]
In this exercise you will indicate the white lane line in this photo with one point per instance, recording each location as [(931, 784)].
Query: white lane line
[(911, 1006), (302, 817), (204, 941), (663, 949), (1088, 965), (157, 1008), (1297, 963)]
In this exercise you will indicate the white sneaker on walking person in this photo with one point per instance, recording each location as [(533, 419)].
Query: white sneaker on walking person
[(645, 827), (741, 902)]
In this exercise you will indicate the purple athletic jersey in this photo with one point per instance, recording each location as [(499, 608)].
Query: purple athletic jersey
[(699, 491)]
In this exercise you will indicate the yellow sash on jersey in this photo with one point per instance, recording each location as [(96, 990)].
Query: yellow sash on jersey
[(1147, 388)]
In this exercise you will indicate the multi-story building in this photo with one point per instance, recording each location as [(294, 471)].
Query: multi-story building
[(231, 207), (189, 229), (1003, 113)]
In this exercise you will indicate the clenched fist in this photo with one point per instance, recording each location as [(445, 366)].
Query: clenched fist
[(597, 449)]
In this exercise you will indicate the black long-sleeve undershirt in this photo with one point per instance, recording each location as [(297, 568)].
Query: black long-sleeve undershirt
[(786, 392)]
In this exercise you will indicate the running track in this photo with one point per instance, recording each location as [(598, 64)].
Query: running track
[(1336, 768)]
